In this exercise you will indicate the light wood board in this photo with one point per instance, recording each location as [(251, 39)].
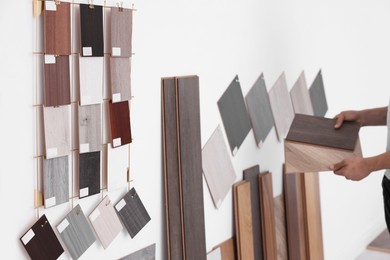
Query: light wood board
[(91, 80), (90, 128), (117, 165)]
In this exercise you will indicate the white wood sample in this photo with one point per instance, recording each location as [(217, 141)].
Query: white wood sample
[(117, 164), (91, 80)]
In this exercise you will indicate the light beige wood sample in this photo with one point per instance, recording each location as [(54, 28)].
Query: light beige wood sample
[(280, 222), (91, 80), (300, 96), (301, 157), (117, 166), (90, 128), (120, 72)]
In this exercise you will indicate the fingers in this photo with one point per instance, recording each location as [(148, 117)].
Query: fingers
[(337, 166), (339, 120)]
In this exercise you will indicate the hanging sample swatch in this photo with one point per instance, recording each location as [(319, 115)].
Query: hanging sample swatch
[(217, 167), (91, 80), (120, 123), (89, 174), (90, 128), (234, 115), (318, 97), (120, 79), (259, 109), (41, 242), (121, 32), (147, 253), (91, 22), (117, 166), (56, 181), (300, 97)]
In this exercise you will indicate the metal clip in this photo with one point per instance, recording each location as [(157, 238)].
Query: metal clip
[(44, 223), (91, 6), (58, 2), (120, 6)]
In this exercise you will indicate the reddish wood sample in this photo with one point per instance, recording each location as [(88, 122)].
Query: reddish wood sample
[(120, 123), (228, 249)]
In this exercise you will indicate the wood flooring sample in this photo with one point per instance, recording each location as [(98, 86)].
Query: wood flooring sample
[(381, 242), (234, 115), (91, 80), (217, 167), (90, 128), (105, 222), (147, 253), (57, 81), (56, 26), (317, 96), (41, 242), (228, 249), (120, 123), (300, 97), (280, 221), (57, 131), (259, 109), (281, 105), (89, 174), (76, 232), (91, 21), (117, 167), (132, 213), (120, 79), (121, 32), (56, 181)]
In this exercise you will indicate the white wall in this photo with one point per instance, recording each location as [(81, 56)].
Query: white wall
[(216, 40)]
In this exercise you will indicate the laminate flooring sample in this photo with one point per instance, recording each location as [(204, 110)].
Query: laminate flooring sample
[(251, 175), (89, 174), (132, 213), (121, 32), (76, 232), (91, 80), (120, 79), (105, 222), (57, 131), (90, 128), (41, 242), (280, 221), (117, 167), (244, 229), (228, 249), (234, 115), (281, 105), (317, 96), (56, 181), (300, 97), (217, 167), (147, 253), (381, 242), (91, 22), (56, 26), (57, 81), (259, 109), (120, 123)]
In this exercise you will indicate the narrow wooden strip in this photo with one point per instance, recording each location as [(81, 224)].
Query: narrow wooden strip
[(281, 233)]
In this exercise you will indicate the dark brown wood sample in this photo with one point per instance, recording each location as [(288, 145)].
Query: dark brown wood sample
[(41, 242), (91, 21), (57, 81), (57, 28), (381, 242), (121, 32), (120, 123), (228, 249), (89, 175), (321, 131), (251, 175)]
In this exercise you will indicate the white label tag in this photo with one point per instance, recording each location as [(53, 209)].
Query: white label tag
[(64, 224), (116, 97), (235, 150), (28, 236), (94, 215), (62, 256), (84, 192), (51, 152), (84, 148), (50, 6), (50, 202), (116, 51), (117, 142), (87, 51), (50, 59), (120, 205)]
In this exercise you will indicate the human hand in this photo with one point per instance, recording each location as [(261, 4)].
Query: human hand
[(354, 169), (350, 115)]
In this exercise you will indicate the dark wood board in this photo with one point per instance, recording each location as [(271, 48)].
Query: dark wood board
[(91, 22), (317, 96), (120, 123), (89, 175)]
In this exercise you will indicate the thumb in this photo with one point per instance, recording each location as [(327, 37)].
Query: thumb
[(339, 120), (337, 166)]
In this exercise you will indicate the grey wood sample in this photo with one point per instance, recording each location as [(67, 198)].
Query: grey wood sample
[(89, 174), (90, 128), (318, 97), (132, 213), (217, 167), (56, 181), (147, 253), (234, 115), (259, 109), (57, 131), (121, 32), (120, 79), (76, 232), (281, 105), (105, 222), (300, 97)]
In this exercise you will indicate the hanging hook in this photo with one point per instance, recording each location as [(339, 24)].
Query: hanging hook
[(120, 6), (44, 223), (58, 2), (91, 6)]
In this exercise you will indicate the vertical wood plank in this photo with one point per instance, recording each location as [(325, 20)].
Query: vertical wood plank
[(121, 31), (120, 123), (281, 233), (56, 181), (120, 79), (91, 21), (91, 80), (90, 128), (89, 174)]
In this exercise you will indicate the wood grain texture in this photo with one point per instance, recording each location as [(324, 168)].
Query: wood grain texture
[(173, 213), (57, 82), (57, 131), (90, 128), (321, 131), (381, 242), (120, 123), (280, 221), (217, 167), (259, 109), (147, 253), (300, 97), (89, 174), (76, 232), (244, 228), (117, 166), (234, 115), (301, 157), (91, 80), (56, 27), (105, 222), (120, 79), (190, 166), (251, 175), (281, 106), (132, 213), (121, 30), (56, 181), (270, 249), (228, 249), (91, 22), (43, 244), (317, 96)]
